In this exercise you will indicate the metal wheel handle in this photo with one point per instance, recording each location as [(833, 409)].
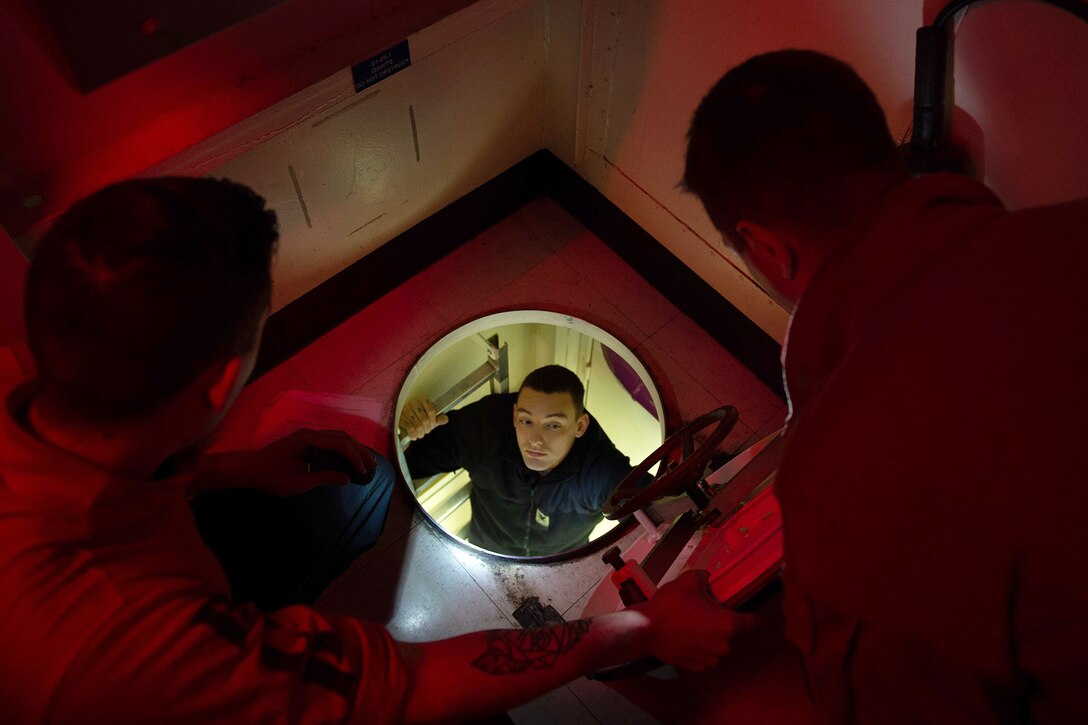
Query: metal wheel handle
[(682, 464)]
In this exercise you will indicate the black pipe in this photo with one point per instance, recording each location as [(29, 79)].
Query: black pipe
[(929, 149), (930, 79)]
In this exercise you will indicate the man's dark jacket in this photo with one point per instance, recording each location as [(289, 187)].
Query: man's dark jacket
[(510, 503)]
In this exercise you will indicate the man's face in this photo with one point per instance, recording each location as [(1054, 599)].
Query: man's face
[(546, 426)]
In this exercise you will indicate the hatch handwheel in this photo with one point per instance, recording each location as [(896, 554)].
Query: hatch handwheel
[(681, 470)]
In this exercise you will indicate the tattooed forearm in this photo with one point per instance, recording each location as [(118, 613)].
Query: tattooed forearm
[(511, 652)]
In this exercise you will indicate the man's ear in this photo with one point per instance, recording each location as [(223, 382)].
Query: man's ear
[(223, 383), (582, 425), (768, 249)]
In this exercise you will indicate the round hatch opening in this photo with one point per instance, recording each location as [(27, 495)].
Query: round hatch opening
[(540, 480)]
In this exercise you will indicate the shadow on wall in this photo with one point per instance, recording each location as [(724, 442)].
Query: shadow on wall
[(666, 57), (1020, 98), (1019, 71), (968, 136)]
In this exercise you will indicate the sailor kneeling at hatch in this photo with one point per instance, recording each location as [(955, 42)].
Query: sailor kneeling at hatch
[(537, 485)]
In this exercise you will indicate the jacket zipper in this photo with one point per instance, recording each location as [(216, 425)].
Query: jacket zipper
[(532, 516)]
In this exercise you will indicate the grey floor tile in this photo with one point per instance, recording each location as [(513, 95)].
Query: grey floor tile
[(459, 281), (236, 430), (385, 386), (574, 611), (369, 342), (555, 285), (417, 590), (508, 584), (618, 282), (684, 396), (550, 222), (558, 706), (720, 373), (608, 706)]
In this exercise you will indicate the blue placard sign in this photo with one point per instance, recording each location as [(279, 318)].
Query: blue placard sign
[(381, 66)]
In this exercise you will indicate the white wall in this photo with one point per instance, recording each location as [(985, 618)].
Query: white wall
[(609, 86), (633, 430), (1020, 74), (476, 88), (58, 144)]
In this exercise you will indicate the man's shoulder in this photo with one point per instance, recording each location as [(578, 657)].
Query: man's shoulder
[(503, 401), (596, 452), (478, 429), (596, 436), (487, 407)]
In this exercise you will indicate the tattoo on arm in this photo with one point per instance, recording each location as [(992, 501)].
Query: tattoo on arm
[(511, 652)]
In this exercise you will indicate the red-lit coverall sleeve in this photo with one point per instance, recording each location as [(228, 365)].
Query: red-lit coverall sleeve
[(211, 662)]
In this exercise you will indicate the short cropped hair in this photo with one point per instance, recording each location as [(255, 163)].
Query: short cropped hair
[(772, 137), (142, 286), (557, 379)]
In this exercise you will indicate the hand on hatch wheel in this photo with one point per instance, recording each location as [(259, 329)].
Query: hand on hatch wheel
[(688, 627)]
